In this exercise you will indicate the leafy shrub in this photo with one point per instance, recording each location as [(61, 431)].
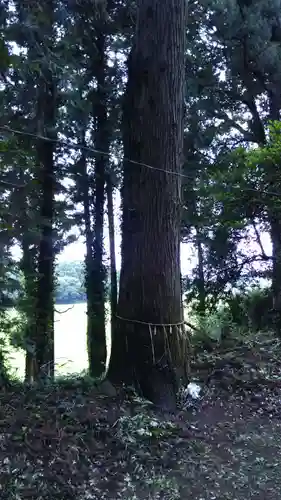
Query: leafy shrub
[(215, 330), (5, 368), (252, 310), (140, 427), (239, 317)]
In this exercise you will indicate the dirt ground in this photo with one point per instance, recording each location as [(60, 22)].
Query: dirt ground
[(70, 443)]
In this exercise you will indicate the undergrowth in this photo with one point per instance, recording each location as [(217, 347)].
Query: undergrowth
[(76, 438)]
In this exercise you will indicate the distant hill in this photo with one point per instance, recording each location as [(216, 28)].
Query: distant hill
[(70, 282)]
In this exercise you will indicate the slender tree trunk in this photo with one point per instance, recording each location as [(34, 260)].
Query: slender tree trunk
[(272, 177), (28, 268), (86, 196), (150, 289), (275, 225), (45, 291), (274, 215), (89, 274), (85, 184), (29, 272), (46, 177), (201, 274), (113, 271), (96, 326)]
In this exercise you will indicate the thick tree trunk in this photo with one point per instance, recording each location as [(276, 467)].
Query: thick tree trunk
[(113, 271), (150, 289)]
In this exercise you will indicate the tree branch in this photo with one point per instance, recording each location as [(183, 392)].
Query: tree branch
[(63, 312)]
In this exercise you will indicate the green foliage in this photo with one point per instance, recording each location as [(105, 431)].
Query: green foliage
[(270, 152), (75, 382), (142, 427), (7, 325), (239, 316), (70, 283), (19, 332), (232, 145), (216, 330), (70, 286), (252, 310)]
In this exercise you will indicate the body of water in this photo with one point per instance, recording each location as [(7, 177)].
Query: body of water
[(70, 341)]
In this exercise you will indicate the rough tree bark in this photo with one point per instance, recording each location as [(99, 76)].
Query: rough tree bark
[(46, 121), (150, 286), (113, 270), (45, 290), (96, 319)]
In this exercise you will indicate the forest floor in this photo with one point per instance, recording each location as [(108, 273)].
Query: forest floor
[(69, 442)]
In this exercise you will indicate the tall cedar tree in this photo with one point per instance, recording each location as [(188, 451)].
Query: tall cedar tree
[(46, 122), (96, 312), (37, 35), (150, 285)]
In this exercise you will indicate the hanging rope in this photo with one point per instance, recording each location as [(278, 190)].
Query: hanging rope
[(182, 341), (180, 323)]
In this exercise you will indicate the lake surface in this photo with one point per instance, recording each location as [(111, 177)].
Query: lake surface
[(70, 341)]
